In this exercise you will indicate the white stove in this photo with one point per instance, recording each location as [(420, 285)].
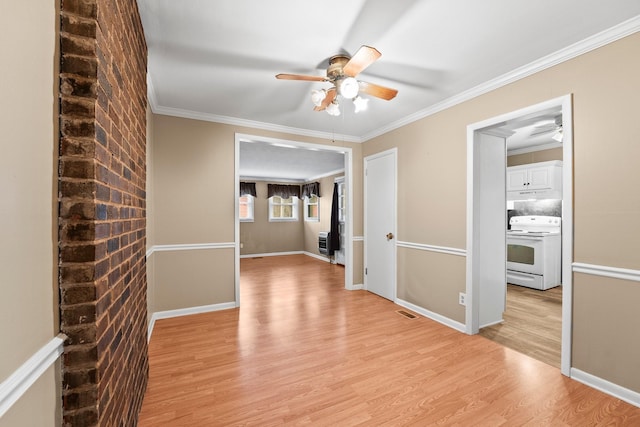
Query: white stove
[(534, 251)]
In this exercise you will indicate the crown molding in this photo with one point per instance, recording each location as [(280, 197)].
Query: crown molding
[(603, 38), (234, 121)]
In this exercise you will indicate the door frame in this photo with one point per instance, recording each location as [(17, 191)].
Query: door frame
[(473, 247), (394, 267), (348, 178)]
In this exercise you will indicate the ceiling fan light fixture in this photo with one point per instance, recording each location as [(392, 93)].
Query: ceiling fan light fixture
[(333, 109), (360, 103), (317, 96), (348, 87)]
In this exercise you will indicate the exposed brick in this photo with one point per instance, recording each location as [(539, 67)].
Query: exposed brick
[(78, 107), (79, 66), (78, 127), (78, 86), (82, 398), (75, 273), (82, 253), (74, 210), (78, 26), (80, 378), (77, 168), (81, 334), (77, 314), (80, 356), (79, 231), (77, 45), (84, 8), (79, 294), (101, 196), (84, 418)]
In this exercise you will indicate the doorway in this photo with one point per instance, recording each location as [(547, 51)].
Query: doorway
[(346, 167), (380, 223), (340, 257), (482, 212)]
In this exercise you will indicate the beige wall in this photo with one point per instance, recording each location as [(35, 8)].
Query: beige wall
[(432, 152), (193, 278), (193, 202), (312, 228), (264, 237), (28, 173), (605, 329), (535, 157)]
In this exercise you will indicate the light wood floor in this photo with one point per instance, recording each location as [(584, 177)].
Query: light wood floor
[(302, 350), (532, 323)]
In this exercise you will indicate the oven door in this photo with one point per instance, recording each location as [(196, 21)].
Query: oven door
[(525, 254)]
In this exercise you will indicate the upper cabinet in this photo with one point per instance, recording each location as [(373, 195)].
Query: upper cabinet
[(535, 181)]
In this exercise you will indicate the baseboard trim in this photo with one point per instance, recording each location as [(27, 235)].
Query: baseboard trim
[(431, 315), (19, 381), (624, 394), (606, 271), (316, 256), (432, 248), (272, 254), (186, 312), (357, 287)]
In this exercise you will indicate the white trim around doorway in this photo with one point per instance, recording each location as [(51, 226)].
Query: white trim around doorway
[(348, 174), (471, 324)]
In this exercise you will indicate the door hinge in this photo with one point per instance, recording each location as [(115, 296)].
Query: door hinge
[(366, 270)]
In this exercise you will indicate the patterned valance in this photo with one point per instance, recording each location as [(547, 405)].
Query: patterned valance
[(311, 189), (284, 191), (248, 188)]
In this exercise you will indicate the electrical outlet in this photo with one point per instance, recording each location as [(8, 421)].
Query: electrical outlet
[(462, 298), (241, 245)]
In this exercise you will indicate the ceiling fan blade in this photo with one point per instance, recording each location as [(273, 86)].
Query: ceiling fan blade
[(378, 91), (364, 57), (284, 76), (331, 95)]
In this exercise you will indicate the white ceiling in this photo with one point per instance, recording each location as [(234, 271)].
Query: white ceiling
[(217, 60)]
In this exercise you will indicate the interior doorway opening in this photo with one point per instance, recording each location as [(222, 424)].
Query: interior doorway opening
[(487, 217), (346, 168)]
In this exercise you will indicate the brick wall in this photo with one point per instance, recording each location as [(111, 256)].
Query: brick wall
[(102, 167)]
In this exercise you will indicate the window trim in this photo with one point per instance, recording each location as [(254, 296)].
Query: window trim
[(294, 210), (307, 203), (250, 208)]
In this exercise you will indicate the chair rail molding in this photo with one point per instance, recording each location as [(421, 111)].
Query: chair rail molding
[(19, 382)]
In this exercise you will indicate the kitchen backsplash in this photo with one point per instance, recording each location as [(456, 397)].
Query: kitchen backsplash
[(548, 207)]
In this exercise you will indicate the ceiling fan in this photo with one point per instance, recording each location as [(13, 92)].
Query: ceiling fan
[(547, 126), (342, 72)]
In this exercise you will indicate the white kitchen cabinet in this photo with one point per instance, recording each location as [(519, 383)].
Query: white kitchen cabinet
[(535, 181)]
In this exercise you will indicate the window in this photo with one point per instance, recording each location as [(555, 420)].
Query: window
[(312, 208), (246, 208), (283, 209)]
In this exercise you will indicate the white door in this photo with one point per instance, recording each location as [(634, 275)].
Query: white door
[(342, 209), (380, 223)]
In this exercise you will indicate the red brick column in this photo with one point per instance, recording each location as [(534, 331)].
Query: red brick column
[(102, 175)]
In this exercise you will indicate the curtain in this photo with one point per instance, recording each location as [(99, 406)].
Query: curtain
[(334, 231), (284, 191), (312, 189), (248, 188)]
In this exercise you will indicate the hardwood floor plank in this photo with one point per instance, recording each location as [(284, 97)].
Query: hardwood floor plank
[(302, 350), (532, 323)]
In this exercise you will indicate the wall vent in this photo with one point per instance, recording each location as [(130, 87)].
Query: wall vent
[(406, 314)]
